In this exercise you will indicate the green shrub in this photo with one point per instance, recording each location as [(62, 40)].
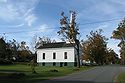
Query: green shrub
[(5, 62), (54, 70)]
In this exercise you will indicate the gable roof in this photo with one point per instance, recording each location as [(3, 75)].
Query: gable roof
[(55, 45)]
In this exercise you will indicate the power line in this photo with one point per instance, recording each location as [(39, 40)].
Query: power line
[(24, 31), (102, 21)]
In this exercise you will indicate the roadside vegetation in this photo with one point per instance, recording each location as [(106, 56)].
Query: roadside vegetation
[(95, 51), (120, 78), (22, 73)]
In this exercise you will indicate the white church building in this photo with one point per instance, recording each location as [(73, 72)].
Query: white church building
[(56, 54)]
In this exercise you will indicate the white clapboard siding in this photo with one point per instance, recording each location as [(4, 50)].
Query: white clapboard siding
[(59, 54)]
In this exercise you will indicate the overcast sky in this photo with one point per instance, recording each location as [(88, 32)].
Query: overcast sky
[(22, 19)]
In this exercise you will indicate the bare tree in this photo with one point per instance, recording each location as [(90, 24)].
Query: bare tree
[(39, 41), (34, 43)]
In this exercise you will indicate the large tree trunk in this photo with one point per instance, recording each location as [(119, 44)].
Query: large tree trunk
[(78, 54)]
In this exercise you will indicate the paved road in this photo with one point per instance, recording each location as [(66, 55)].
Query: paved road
[(103, 74)]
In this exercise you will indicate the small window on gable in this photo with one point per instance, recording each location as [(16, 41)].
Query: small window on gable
[(54, 55), (65, 55), (43, 55)]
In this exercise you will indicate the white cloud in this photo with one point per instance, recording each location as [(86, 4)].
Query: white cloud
[(43, 28), (19, 25), (8, 13), (19, 11), (28, 12), (104, 26), (13, 26), (105, 8), (30, 19), (3, 1), (118, 2), (48, 31)]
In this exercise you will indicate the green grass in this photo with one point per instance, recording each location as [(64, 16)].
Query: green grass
[(121, 78), (43, 73)]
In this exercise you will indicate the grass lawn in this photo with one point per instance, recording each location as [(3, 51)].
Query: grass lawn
[(9, 73), (121, 78)]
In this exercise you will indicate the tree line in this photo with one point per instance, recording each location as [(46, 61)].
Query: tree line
[(96, 51), (94, 47), (13, 51)]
